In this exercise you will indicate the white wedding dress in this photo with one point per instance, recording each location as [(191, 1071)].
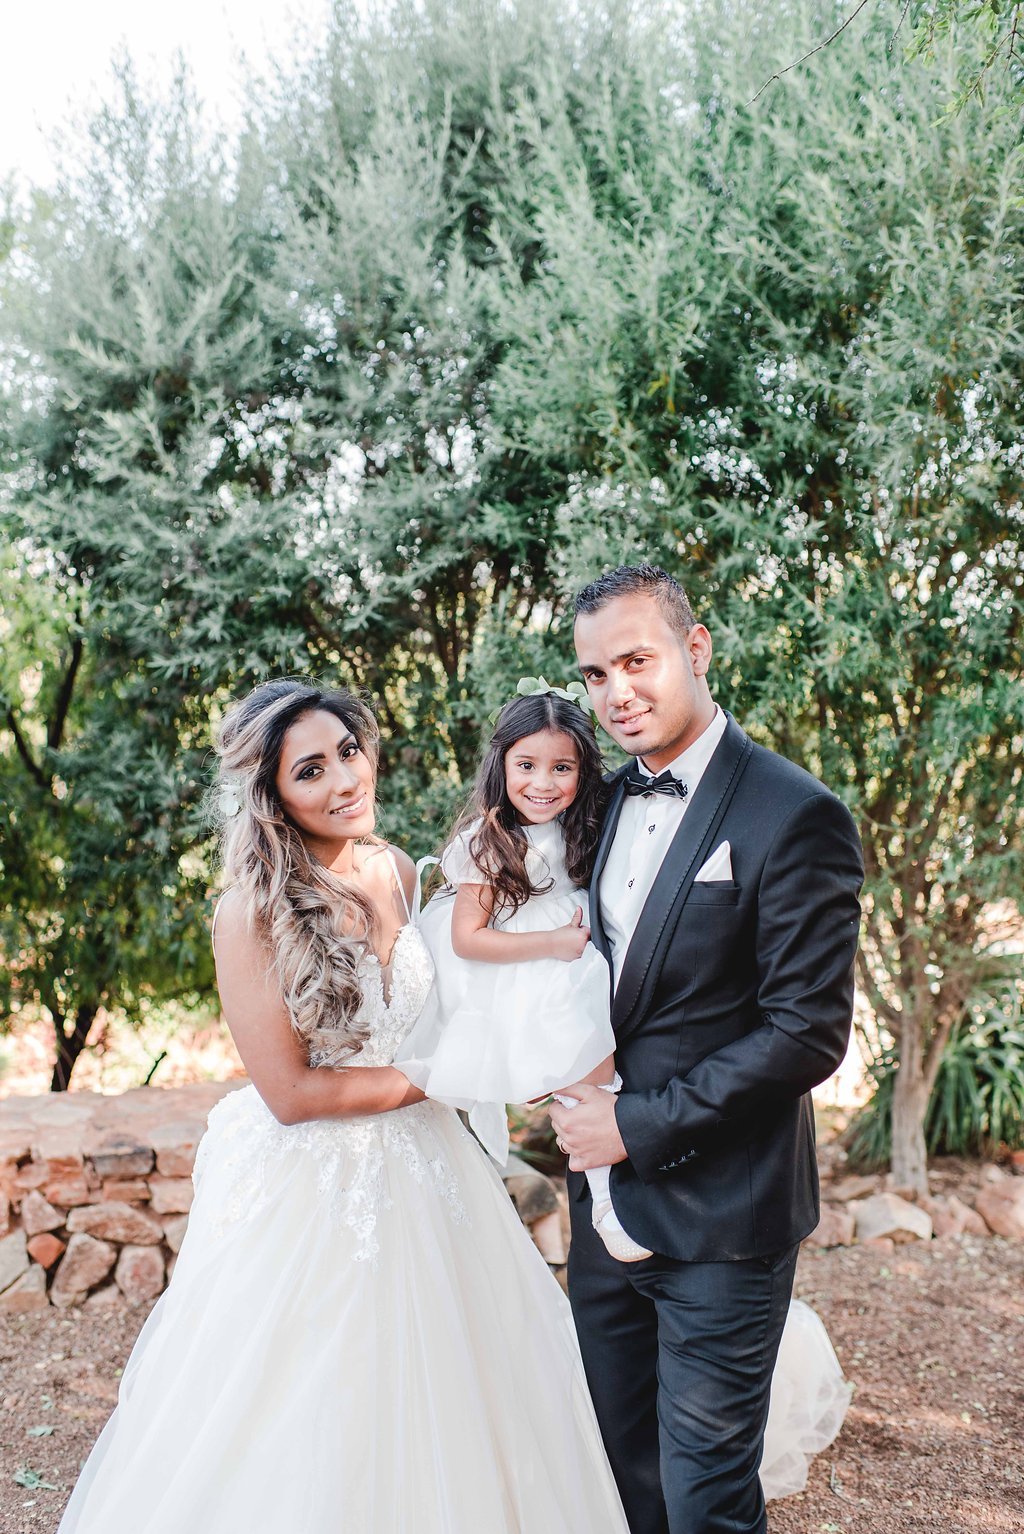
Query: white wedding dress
[(359, 1338)]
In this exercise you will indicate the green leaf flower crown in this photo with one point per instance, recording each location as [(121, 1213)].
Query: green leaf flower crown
[(536, 686)]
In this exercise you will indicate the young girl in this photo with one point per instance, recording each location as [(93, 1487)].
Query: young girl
[(522, 996)]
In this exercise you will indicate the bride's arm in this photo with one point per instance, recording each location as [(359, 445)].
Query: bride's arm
[(273, 1056)]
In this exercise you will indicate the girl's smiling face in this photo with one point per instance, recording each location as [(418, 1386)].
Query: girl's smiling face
[(542, 775), (325, 781)]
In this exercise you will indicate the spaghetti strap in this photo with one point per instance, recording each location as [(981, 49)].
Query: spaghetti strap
[(213, 923), (421, 867), (401, 886)]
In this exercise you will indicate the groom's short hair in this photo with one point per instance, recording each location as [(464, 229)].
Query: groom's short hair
[(639, 580)]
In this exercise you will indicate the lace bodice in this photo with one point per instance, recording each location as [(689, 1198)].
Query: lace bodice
[(390, 1014)]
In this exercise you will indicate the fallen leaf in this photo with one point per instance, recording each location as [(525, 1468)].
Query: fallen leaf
[(32, 1480)]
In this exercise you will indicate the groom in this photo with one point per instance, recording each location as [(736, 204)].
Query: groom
[(725, 900)]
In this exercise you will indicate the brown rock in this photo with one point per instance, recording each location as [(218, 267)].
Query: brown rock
[(85, 1264), (881, 1244), (835, 1228), (126, 1190), (532, 1193), (1017, 1162), (951, 1217), (31, 1176), (171, 1195), (548, 1238), (38, 1215), (61, 1151), (70, 1191), (974, 1225), (900, 1190), (15, 1146), (45, 1249), (886, 1214), (104, 1298), (175, 1227), (1001, 1206), (114, 1153), (175, 1145), (117, 1222), (26, 1293), (13, 1258), (140, 1273), (852, 1187), (5, 1214)]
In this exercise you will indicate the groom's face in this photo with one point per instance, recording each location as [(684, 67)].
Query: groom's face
[(647, 682)]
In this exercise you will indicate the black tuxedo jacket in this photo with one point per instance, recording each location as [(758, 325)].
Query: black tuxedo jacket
[(734, 999)]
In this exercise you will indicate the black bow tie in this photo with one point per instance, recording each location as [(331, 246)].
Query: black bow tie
[(664, 783)]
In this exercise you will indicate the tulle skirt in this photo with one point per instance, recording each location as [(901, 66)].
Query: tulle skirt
[(492, 1034), (359, 1338), (809, 1402)]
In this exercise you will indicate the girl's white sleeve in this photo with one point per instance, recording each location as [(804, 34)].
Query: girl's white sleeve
[(457, 863)]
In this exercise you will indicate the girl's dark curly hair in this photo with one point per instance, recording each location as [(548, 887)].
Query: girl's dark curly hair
[(499, 845)]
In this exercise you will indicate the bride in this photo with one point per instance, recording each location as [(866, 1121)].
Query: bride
[(359, 1335)]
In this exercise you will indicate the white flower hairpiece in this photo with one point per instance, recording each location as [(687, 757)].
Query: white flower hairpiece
[(229, 800)]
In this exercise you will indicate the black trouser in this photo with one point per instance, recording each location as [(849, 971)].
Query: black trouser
[(679, 1358)]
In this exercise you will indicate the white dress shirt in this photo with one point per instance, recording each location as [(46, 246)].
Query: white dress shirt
[(647, 824)]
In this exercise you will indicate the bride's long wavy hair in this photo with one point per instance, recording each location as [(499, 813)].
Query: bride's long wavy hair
[(315, 926)]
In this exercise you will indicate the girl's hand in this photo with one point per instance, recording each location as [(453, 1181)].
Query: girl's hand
[(568, 942)]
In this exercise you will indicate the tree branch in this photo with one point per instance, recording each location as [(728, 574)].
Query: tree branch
[(60, 714), (899, 25), (21, 743), (818, 47)]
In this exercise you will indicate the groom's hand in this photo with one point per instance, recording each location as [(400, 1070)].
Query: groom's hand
[(588, 1132)]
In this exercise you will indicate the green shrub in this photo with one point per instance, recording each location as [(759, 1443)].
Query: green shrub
[(977, 1102)]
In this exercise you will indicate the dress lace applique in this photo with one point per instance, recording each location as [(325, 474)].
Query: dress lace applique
[(351, 1157)]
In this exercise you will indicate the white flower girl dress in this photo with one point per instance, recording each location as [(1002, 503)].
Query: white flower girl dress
[(508, 1033)]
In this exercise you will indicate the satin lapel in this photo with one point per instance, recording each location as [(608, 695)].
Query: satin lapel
[(680, 863), (598, 936)]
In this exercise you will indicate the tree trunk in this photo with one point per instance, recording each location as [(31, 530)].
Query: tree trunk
[(70, 1045), (909, 1107)]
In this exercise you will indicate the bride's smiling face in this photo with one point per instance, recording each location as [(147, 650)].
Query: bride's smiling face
[(325, 780)]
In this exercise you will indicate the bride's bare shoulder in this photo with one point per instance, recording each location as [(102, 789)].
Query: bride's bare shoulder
[(382, 867), (230, 925)]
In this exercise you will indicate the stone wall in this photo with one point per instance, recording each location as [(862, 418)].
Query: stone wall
[(95, 1192)]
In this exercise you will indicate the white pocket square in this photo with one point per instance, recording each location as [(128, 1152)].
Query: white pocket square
[(717, 867)]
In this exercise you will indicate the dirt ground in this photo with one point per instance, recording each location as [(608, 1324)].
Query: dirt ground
[(932, 1337)]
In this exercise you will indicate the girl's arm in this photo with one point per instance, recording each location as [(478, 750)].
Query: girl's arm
[(273, 1055), (472, 938)]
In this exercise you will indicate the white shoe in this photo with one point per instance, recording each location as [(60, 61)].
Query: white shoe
[(618, 1244)]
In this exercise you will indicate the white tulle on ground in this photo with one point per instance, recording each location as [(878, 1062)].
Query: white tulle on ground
[(507, 1033), (359, 1335), (809, 1402)]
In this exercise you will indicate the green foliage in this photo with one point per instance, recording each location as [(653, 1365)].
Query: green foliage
[(977, 1103), (486, 299), (998, 24)]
